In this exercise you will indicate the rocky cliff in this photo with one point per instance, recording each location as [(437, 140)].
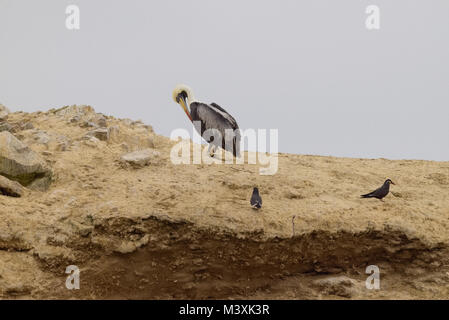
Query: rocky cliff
[(86, 189)]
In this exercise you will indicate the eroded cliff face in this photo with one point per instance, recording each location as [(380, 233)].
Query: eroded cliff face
[(139, 226)]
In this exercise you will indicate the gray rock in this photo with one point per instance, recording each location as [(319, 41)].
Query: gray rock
[(75, 119), (77, 112), (88, 124), (19, 163), (5, 126), (101, 121), (10, 188), (141, 158), (41, 137), (27, 126), (101, 134), (91, 141)]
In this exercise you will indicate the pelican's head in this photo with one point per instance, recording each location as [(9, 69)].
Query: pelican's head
[(182, 95), (388, 181)]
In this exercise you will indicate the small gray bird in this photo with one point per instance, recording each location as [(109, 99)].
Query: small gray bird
[(381, 192), (256, 200)]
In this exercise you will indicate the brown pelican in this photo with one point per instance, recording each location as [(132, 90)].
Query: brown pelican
[(211, 118)]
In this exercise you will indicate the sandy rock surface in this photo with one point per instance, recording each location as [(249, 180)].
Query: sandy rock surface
[(19, 162), (10, 188), (161, 230)]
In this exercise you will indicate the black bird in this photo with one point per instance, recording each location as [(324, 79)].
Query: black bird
[(381, 192), (256, 200)]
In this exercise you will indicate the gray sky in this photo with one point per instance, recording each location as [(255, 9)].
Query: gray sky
[(308, 68)]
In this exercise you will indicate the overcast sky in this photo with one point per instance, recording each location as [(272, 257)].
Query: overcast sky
[(308, 68)]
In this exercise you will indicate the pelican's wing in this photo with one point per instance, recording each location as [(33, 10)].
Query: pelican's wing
[(225, 114), (235, 126), (214, 117)]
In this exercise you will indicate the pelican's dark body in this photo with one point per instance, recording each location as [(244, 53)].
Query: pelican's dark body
[(214, 117), (256, 200), (379, 193)]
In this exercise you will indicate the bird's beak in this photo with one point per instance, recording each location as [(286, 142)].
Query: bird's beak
[(392, 182), (183, 103)]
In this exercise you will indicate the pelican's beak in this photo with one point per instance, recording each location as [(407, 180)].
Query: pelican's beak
[(392, 182), (182, 101)]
